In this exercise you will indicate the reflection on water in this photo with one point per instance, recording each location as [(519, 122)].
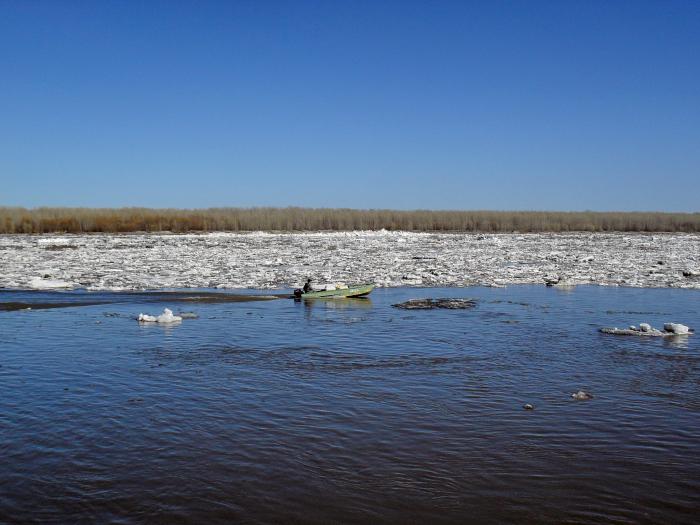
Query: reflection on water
[(677, 341), (344, 303), (160, 326), (350, 410)]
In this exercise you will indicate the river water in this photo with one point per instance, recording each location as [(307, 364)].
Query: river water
[(350, 411)]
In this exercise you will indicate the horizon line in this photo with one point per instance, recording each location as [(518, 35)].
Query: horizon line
[(332, 208)]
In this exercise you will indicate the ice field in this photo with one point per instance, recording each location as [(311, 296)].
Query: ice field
[(279, 260)]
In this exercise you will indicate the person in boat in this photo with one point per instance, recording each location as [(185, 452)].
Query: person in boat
[(308, 286)]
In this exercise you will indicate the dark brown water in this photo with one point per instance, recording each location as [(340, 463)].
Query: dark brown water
[(350, 411)]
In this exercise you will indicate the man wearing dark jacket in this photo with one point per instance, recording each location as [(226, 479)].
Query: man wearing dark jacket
[(307, 286)]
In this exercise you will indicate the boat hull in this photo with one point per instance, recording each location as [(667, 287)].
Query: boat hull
[(353, 291)]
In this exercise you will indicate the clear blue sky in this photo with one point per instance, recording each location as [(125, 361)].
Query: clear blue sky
[(561, 105)]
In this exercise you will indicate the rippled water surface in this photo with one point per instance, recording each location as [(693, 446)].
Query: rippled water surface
[(350, 410)]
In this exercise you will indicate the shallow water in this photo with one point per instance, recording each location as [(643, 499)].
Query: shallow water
[(351, 410)]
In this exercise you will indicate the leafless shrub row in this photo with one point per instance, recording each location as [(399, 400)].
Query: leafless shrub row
[(79, 220)]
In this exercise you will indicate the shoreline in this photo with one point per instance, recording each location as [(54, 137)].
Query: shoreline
[(23, 299), (231, 295), (297, 219)]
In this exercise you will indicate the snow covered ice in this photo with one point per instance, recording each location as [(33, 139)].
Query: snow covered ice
[(285, 260), (46, 283)]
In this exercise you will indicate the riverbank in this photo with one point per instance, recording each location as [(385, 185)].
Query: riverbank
[(294, 219)]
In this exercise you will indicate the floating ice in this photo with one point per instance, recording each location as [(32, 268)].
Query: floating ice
[(581, 395), (677, 328), (285, 260), (431, 304), (645, 329), (46, 283), (166, 317)]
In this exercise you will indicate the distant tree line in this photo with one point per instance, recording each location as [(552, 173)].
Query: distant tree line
[(113, 220)]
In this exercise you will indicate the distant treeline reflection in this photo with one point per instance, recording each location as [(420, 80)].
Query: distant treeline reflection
[(82, 220)]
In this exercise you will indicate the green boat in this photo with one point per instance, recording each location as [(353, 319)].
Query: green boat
[(352, 291)]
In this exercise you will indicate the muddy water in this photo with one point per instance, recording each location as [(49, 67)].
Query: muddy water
[(350, 411)]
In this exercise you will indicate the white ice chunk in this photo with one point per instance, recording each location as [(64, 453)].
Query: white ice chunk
[(581, 395), (39, 283), (676, 328), (166, 317)]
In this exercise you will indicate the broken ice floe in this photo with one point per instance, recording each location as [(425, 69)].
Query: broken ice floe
[(551, 280), (581, 395), (430, 304), (559, 282), (46, 283), (676, 328), (646, 330), (285, 260), (166, 317)]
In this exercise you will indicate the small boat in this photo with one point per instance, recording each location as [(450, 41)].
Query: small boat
[(352, 291)]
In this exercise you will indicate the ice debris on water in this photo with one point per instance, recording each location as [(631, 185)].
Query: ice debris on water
[(46, 283), (581, 395), (551, 280), (676, 328), (645, 329), (387, 258), (430, 304), (166, 317)]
